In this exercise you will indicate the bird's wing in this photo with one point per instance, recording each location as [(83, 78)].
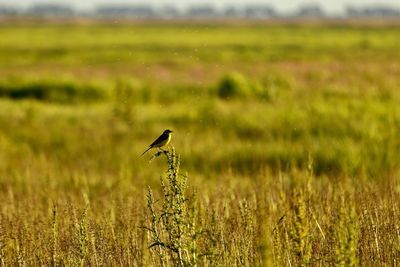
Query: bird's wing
[(159, 139)]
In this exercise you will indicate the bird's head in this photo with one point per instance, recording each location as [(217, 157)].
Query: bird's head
[(167, 131)]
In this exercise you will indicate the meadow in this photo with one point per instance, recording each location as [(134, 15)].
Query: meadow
[(286, 143)]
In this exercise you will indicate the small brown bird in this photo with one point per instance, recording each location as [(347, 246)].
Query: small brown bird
[(163, 140)]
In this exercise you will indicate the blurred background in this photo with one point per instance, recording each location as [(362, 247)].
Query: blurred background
[(278, 83), (255, 9)]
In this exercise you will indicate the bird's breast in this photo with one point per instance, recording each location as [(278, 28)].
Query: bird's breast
[(168, 139)]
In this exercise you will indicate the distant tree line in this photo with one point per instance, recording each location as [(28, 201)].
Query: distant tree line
[(146, 11)]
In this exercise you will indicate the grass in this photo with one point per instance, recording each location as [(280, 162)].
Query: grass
[(287, 138)]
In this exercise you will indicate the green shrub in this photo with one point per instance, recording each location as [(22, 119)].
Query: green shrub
[(235, 85), (52, 91)]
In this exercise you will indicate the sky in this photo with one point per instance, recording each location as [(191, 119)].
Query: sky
[(331, 6)]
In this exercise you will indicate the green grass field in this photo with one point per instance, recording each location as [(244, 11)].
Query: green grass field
[(288, 137)]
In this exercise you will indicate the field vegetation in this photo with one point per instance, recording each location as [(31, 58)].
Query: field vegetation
[(286, 144)]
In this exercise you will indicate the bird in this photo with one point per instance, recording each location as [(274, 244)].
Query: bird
[(163, 140)]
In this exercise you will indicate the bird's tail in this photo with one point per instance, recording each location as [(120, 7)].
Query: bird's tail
[(146, 151)]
